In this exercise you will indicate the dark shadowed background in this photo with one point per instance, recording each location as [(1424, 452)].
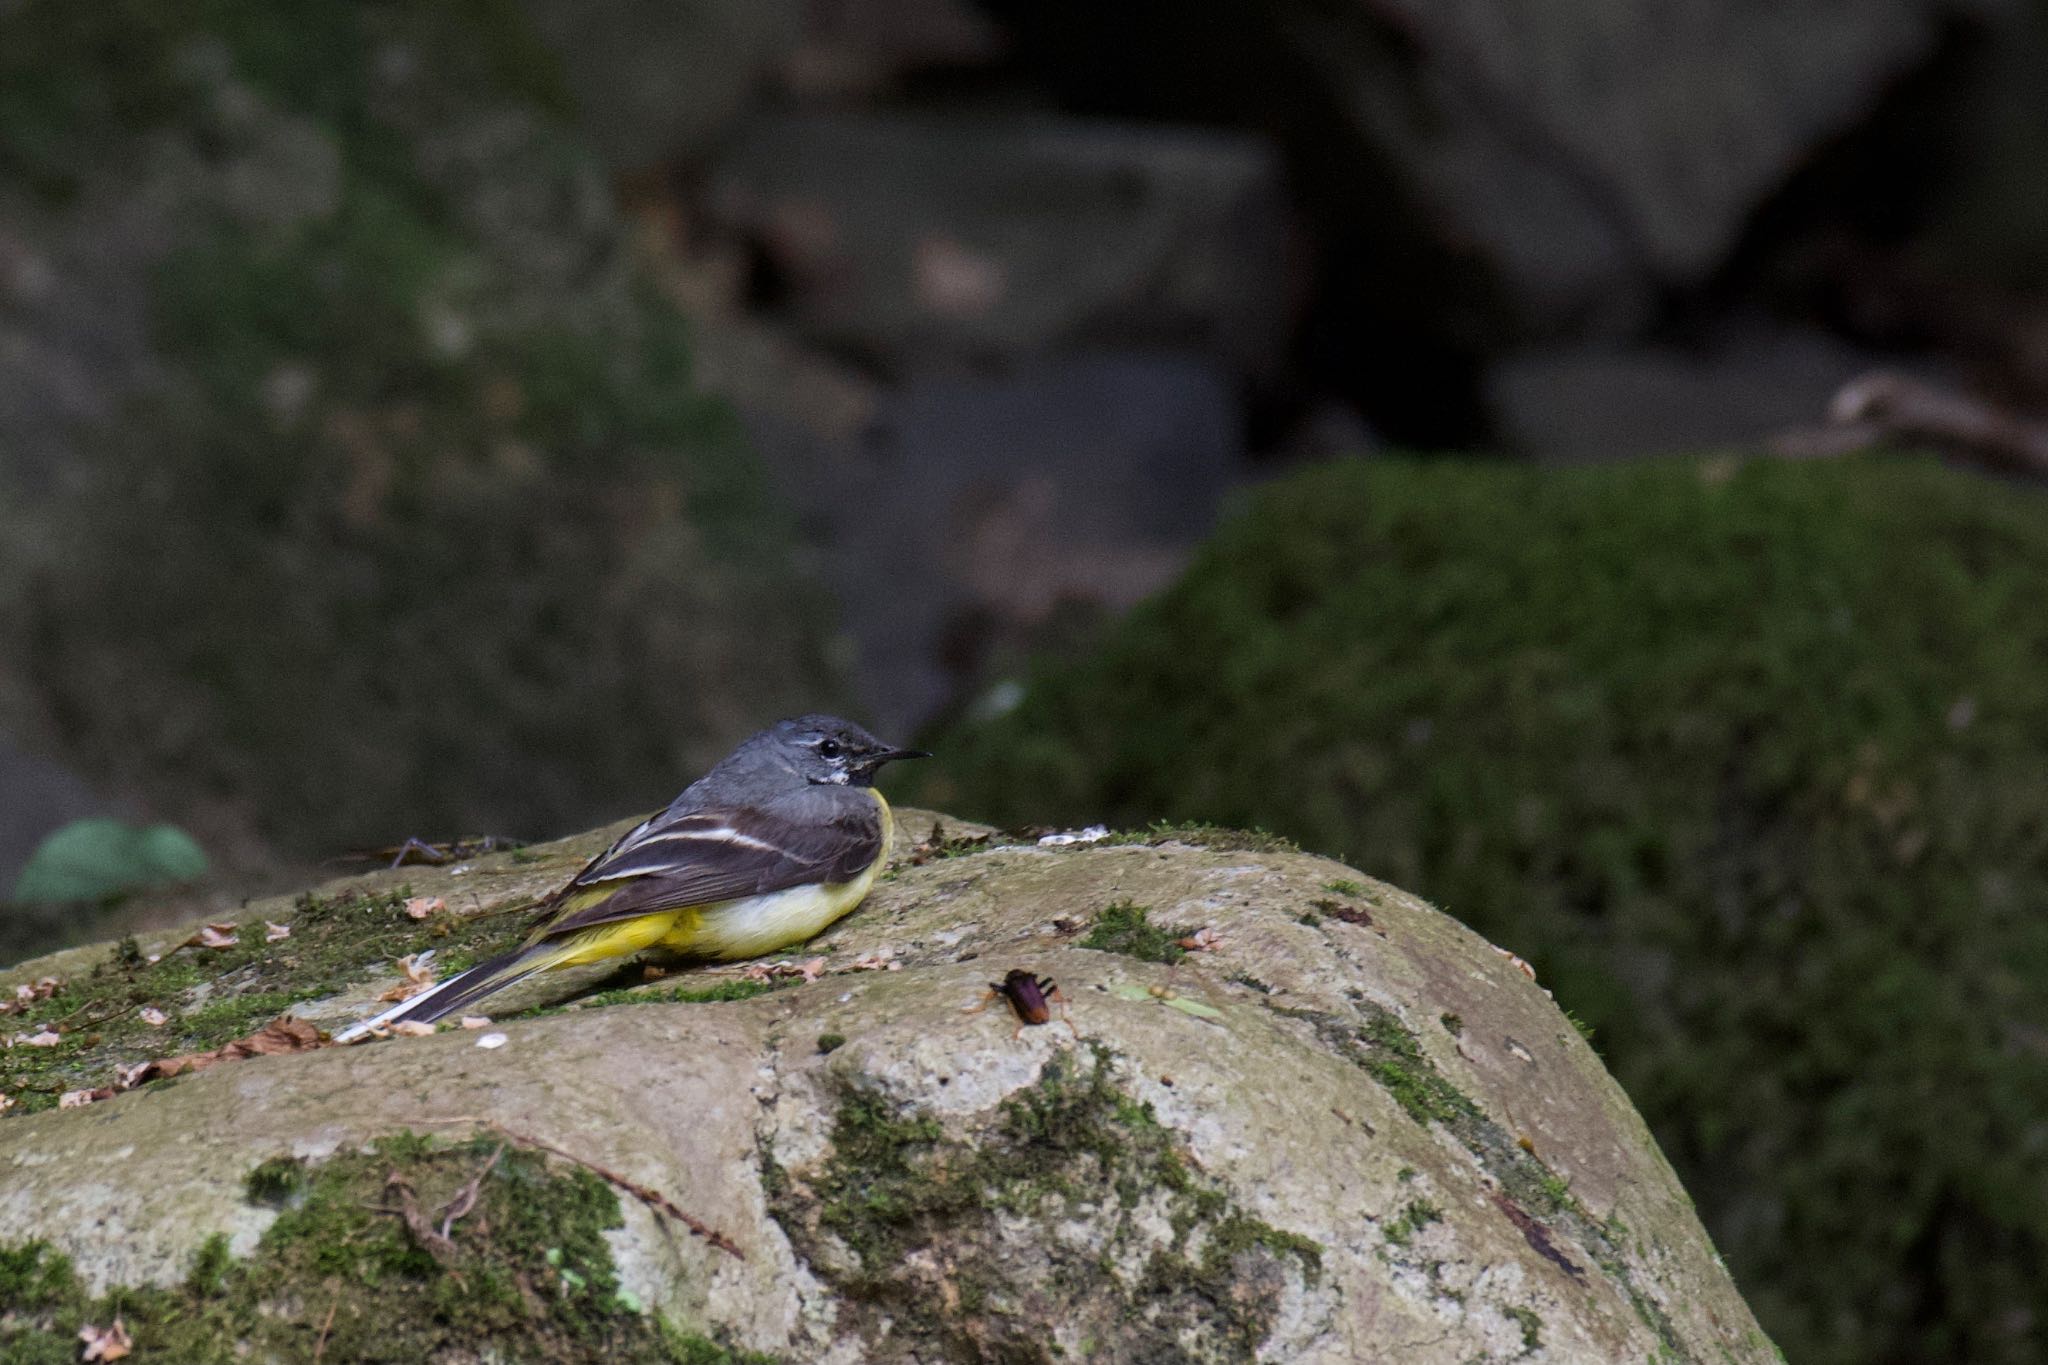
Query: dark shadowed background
[(1582, 462)]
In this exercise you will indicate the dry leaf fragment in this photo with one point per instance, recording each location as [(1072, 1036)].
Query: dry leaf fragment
[(283, 1034), (1524, 968), (764, 972), (475, 1021), (419, 974), (419, 907), (880, 960), (46, 1038), (26, 995), (6, 1103), (78, 1099), (412, 1028), (152, 1016), (273, 932), (106, 1343), (1201, 941), (215, 936)]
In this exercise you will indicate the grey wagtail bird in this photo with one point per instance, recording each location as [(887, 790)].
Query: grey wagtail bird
[(782, 838)]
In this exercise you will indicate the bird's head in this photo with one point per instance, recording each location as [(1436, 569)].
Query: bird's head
[(827, 749)]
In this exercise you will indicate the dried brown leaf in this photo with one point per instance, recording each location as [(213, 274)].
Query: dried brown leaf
[(274, 932), (152, 1016), (418, 973), (215, 936), (412, 1028), (1524, 968), (281, 1035), (419, 907), (27, 994), (763, 972), (106, 1343)]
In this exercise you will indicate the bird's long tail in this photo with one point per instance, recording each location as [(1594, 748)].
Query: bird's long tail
[(463, 988)]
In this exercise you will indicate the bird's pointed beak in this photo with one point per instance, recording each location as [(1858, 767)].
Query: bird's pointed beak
[(891, 755)]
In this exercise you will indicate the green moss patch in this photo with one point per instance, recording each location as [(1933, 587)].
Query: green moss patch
[(1126, 928), (1416, 1215), (211, 996), (412, 1251), (718, 992), (1216, 838), (899, 1196)]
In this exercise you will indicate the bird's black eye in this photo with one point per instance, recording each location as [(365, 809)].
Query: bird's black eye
[(829, 748)]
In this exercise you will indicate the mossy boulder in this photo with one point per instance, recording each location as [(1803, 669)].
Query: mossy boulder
[(1277, 1147), (348, 439), (1745, 757)]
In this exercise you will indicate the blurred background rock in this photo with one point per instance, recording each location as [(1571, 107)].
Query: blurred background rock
[(469, 418)]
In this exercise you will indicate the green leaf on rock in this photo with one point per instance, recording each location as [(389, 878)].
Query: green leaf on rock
[(100, 859)]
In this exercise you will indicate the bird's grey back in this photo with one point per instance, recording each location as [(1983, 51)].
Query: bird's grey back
[(765, 767)]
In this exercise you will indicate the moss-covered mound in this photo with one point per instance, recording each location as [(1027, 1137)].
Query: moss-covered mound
[(1331, 1125), (413, 1250), (1748, 761), (388, 446)]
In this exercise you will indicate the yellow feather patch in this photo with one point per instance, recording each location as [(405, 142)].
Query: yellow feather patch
[(748, 926)]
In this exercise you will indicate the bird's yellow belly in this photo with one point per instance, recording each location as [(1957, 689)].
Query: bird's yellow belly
[(753, 926)]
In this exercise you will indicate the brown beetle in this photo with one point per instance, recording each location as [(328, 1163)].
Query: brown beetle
[(1031, 999)]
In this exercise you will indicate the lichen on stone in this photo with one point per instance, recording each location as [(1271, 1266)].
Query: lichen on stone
[(937, 1238)]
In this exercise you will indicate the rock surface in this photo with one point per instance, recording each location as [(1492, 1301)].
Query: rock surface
[(1341, 1128), (653, 79), (914, 241), (1589, 405), (1523, 168), (979, 519), (1589, 152)]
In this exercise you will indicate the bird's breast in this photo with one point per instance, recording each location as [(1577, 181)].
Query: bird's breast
[(754, 926)]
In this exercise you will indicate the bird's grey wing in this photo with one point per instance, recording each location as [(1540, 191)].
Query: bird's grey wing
[(820, 834), (625, 840)]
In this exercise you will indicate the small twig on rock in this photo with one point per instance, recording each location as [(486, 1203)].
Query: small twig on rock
[(435, 1244), (652, 1198), (465, 1198), (320, 1346)]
